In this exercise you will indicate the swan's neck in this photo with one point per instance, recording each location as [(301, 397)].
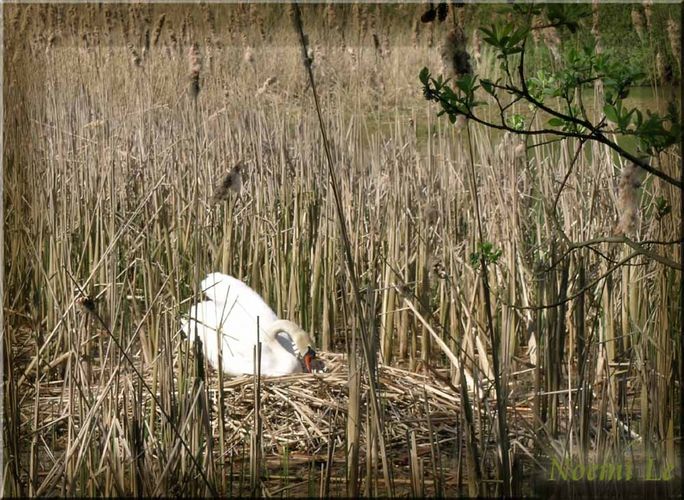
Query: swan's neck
[(298, 336), (284, 326)]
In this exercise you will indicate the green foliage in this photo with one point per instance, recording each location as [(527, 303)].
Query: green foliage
[(651, 131), (582, 66), (662, 207), (567, 15), (516, 122), (459, 100), (486, 251), (506, 38), (543, 85), (617, 114)]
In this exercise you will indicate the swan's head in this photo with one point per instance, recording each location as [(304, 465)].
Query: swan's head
[(301, 342)]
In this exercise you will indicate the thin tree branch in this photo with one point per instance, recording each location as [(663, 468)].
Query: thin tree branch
[(635, 245), (523, 92), (567, 174), (576, 294)]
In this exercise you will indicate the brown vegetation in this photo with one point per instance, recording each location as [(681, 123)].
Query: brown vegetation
[(109, 173)]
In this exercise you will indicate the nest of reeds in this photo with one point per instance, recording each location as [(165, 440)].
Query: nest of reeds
[(302, 417), (307, 413)]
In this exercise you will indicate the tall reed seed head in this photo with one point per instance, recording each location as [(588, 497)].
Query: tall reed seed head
[(248, 56), (53, 17), (364, 17), (386, 48), (195, 64), (290, 11), (14, 17), (261, 25), (415, 34), (146, 40), (638, 23), (209, 19), (331, 16), (146, 23), (125, 25), (536, 32), (628, 198), (28, 18), (185, 27), (158, 29), (173, 39), (648, 13), (43, 16), (352, 57), (135, 55), (356, 16), (595, 27), (660, 67), (552, 41), (673, 35), (208, 54), (477, 46), (232, 181), (109, 22), (455, 57), (334, 23)]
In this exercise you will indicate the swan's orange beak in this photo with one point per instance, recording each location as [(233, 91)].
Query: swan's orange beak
[(308, 359)]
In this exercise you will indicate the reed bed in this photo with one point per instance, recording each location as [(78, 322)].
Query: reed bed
[(122, 124), (303, 422)]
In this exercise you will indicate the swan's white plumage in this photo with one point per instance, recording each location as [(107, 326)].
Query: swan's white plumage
[(224, 289), (231, 314)]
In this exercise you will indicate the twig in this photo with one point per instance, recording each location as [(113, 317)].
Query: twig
[(576, 294)]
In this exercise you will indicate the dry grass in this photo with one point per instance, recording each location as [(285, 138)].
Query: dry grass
[(115, 137), (303, 422)]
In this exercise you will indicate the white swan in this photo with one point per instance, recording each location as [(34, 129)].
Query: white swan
[(231, 313)]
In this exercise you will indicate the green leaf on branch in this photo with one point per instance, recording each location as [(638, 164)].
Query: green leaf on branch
[(567, 15), (610, 112), (424, 76), (504, 38), (581, 67), (488, 86), (487, 252), (516, 122)]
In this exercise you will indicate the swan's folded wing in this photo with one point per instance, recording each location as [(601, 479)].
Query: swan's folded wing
[(208, 317), (209, 321), (242, 303)]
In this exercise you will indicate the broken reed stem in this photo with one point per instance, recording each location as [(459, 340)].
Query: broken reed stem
[(255, 451)]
